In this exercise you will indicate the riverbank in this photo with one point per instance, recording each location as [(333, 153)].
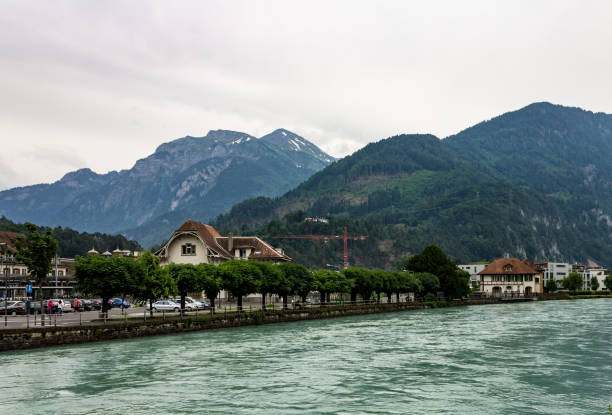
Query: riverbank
[(18, 339)]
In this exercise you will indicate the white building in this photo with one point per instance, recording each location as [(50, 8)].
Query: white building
[(588, 271), (473, 270), (196, 243), (556, 271)]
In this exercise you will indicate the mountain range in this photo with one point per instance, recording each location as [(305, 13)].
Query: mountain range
[(530, 183), (191, 177)]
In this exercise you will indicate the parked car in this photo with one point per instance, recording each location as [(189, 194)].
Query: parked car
[(67, 306), (13, 308), (165, 305), (34, 307), (55, 301), (117, 302), (190, 303), (96, 303), (77, 304)]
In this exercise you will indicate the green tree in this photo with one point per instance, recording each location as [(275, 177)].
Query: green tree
[(325, 282), (188, 280), (551, 286), (390, 283), (594, 283), (211, 282), (154, 282), (240, 278), (362, 282), (106, 277), (299, 277), (429, 282), (572, 282), (36, 252), (272, 280), (453, 282), (409, 283), (608, 282)]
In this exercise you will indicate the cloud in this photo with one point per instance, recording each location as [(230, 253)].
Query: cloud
[(107, 83)]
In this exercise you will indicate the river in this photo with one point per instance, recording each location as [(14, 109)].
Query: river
[(527, 358)]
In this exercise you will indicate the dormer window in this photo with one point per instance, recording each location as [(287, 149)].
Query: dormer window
[(188, 249), (508, 268)]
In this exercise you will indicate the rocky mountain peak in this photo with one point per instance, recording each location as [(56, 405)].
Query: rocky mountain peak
[(290, 141)]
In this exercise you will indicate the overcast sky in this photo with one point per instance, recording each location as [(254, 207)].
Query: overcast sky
[(100, 84)]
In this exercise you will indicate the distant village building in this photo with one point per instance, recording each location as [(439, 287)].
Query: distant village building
[(15, 274), (510, 277), (316, 219), (473, 270), (196, 243), (588, 271), (555, 271)]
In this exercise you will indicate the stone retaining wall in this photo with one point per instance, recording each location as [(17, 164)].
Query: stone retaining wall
[(17, 339)]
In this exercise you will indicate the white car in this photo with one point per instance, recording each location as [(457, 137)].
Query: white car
[(165, 305), (190, 303)]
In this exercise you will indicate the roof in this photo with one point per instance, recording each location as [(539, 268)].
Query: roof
[(207, 233), (507, 266), (9, 239), (261, 249), (214, 240)]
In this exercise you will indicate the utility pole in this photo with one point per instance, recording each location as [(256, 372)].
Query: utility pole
[(344, 237)]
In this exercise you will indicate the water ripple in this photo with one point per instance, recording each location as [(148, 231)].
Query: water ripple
[(529, 358)]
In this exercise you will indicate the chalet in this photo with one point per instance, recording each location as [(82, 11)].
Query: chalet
[(195, 243), (510, 277)]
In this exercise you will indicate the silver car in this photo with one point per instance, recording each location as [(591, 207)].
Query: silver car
[(166, 305)]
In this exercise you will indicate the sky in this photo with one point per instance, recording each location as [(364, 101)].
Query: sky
[(101, 84)]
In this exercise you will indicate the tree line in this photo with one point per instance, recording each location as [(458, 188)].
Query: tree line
[(145, 280)]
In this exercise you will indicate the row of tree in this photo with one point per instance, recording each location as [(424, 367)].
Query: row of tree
[(145, 280)]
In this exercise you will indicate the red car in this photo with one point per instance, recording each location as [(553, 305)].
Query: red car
[(13, 308)]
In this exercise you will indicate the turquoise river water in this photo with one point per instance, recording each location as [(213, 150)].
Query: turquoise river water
[(528, 358)]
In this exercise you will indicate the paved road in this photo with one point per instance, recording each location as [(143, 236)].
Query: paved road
[(86, 317)]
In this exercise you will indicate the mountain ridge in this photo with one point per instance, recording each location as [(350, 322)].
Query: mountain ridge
[(532, 182), (179, 174)]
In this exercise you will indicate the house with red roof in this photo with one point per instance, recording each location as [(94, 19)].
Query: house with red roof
[(510, 277), (195, 243)]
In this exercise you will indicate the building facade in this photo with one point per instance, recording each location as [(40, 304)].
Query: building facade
[(510, 277), (473, 270), (588, 271), (196, 243), (555, 271)]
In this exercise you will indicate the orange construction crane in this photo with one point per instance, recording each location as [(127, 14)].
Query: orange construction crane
[(344, 237)]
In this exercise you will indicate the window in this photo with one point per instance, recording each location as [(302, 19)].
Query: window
[(188, 249), (16, 271), (508, 268), (60, 273), (242, 253)]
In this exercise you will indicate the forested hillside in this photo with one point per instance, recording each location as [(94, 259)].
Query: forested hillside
[(535, 182), (71, 243)]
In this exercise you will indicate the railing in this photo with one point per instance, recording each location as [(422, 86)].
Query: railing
[(118, 316), (500, 283)]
